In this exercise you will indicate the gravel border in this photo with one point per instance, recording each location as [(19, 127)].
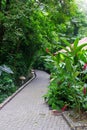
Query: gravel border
[(14, 94), (74, 125)]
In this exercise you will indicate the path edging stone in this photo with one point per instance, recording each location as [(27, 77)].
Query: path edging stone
[(73, 126), (17, 91)]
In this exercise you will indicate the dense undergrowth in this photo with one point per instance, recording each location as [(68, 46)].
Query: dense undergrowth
[(68, 87)]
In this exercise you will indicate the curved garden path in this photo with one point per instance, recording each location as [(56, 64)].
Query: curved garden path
[(27, 110)]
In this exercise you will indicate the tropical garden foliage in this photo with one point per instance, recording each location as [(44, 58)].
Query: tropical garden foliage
[(68, 88), (7, 86), (27, 28)]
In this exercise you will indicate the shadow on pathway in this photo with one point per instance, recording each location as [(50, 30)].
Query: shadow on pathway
[(27, 110)]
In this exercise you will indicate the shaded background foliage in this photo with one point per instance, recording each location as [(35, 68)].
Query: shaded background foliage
[(28, 27)]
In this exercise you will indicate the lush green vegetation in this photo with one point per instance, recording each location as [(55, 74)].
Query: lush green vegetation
[(7, 86), (68, 88), (27, 28)]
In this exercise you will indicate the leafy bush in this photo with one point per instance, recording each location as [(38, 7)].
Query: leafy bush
[(7, 86), (69, 78)]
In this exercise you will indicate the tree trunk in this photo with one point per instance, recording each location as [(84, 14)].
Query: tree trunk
[(0, 4), (7, 5), (2, 28), (1, 33)]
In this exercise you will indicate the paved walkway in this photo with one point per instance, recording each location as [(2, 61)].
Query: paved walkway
[(27, 110)]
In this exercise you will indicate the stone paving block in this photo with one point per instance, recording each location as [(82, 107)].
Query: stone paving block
[(28, 111)]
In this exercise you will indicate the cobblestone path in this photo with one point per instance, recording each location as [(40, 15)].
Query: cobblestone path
[(27, 110)]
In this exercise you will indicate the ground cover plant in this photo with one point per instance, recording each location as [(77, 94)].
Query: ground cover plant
[(68, 87), (7, 86)]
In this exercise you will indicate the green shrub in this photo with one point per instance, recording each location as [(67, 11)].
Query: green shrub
[(7, 86), (69, 75)]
